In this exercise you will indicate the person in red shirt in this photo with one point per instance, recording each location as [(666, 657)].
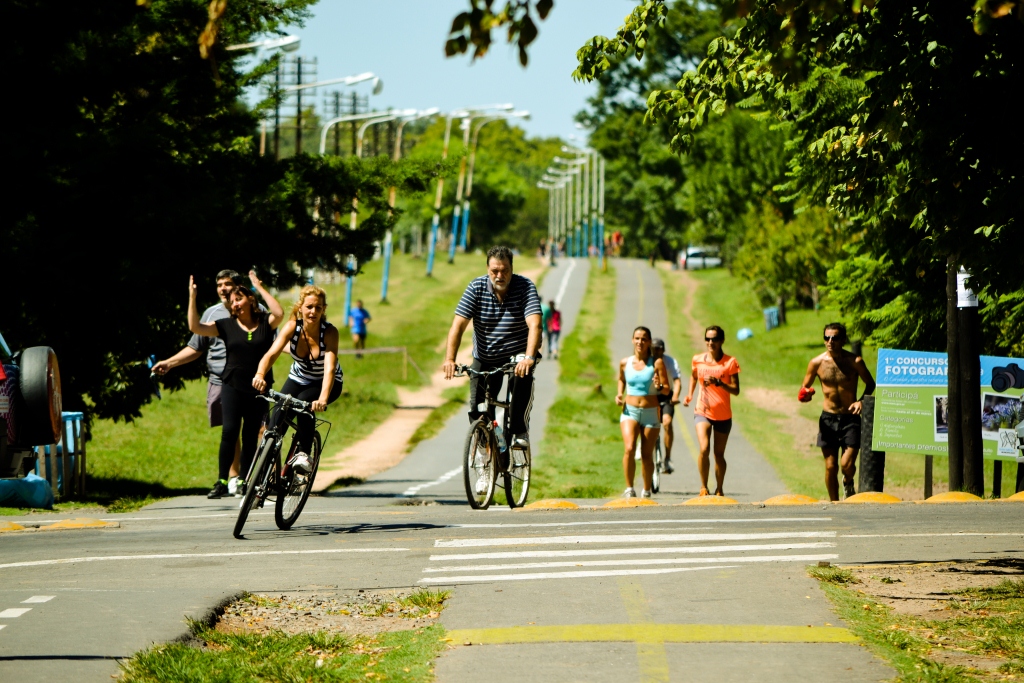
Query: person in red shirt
[(718, 376)]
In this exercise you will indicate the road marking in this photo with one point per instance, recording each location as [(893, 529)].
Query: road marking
[(955, 533), (14, 612), (564, 283), (619, 563), (765, 520), (649, 653), (632, 551), (413, 490), (38, 598), (623, 538), (564, 575), (666, 633), (176, 556)]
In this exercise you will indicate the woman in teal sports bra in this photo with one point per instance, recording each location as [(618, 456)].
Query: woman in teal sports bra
[(641, 380)]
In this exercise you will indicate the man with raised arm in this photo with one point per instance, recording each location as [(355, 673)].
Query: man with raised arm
[(838, 370), (506, 315)]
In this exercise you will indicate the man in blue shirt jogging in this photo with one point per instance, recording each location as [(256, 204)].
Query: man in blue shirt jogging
[(357, 319)]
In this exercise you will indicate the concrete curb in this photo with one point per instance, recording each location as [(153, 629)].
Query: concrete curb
[(208, 619)]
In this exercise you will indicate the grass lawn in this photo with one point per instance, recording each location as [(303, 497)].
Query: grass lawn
[(171, 450), (986, 621), (583, 447), (778, 360)]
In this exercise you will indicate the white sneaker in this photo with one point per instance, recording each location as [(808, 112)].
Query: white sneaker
[(301, 464), (481, 485), (645, 494), (232, 486), (630, 493), (523, 441), (481, 457)]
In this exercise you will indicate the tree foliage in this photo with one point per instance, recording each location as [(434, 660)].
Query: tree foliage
[(474, 27), (138, 168)]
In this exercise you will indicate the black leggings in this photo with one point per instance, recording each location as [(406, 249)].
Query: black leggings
[(243, 411), (306, 422)]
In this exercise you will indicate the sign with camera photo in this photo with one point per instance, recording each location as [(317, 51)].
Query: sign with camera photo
[(911, 404)]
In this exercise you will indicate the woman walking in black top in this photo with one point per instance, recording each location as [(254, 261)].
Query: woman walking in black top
[(248, 334), (315, 375)]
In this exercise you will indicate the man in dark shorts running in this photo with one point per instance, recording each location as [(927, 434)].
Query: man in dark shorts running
[(668, 403), (838, 371)]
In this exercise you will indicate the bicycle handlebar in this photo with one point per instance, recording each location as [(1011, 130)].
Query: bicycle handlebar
[(463, 370), (287, 401)]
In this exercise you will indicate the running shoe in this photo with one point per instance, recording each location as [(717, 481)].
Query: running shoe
[(666, 467), (849, 490), (301, 464), (240, 490), (232, 485), (219, 490), (522, 441), (630, 493), (645, 494), (481, 484)]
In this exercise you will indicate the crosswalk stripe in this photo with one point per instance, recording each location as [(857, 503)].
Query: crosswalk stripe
[(174, 556), (564, 575), (763, 520), (624, 538), (631, 551), (619, 563)]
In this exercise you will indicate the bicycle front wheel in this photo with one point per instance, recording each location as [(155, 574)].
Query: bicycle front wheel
[(479, 471), (295, 488), (659, 463), (257, 480), (517, 477)]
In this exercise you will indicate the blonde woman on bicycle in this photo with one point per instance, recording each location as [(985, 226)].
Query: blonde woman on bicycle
[(642, 380), (315, 376)]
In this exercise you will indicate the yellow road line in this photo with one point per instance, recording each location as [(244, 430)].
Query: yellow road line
[(650, 653), (655, 633), (691, 445)]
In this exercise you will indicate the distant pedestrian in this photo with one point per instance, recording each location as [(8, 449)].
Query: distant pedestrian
[(554, 329), (838, 371), (668, 403), (718, 376), (642, 381), (216, 354), (247, 336), (357, 319)]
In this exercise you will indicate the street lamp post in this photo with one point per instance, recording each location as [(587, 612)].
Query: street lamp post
[(392, 196), (574, 246), (464, 237), (378, 86)]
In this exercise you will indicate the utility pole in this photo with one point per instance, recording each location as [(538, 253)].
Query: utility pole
[(277, 113), (337, 131), (353, 112), (970, 386), (955, 444), (298, 107)]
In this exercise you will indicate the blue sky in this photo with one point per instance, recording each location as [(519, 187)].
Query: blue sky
[(402, 41)]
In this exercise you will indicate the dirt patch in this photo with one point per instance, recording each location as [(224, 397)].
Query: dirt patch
[(928, 590), (362, 613)]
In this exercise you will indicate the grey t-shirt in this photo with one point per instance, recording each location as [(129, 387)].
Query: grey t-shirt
[(672, 366), (216, 353)]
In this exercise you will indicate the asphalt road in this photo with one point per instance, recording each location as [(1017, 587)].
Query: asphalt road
[(731, 580)]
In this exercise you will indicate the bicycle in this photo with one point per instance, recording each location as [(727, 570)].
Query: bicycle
[(269, 477), (659, 463), (484, 457)]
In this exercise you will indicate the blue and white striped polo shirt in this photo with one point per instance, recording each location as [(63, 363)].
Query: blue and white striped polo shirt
[(499, 327)]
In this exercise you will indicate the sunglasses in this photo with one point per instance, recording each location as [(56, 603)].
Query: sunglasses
[(833, 337), (712, 339)]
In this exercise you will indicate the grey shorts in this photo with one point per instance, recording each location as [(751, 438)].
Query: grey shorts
[(213, 408), (717, 426)]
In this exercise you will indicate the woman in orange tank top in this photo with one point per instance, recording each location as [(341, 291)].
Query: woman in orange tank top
[(719, 378)]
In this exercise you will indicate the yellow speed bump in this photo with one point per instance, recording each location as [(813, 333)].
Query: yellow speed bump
[(80, 523), (654, 633), (552, 504), (873, 497), (954, 497), (710, 500), (791, 499), (1018, 497), (10, 526), (628, 503)]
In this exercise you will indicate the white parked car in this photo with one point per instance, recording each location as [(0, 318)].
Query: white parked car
[(699, 257)]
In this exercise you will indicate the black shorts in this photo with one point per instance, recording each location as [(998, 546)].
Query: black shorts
[(717, 426), (838, 431), (667, 408)]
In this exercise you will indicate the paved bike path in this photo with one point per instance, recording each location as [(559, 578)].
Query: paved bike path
[(432, 473), (640, 300)]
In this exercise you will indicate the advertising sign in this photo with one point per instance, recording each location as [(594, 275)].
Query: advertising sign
[(911, 406)]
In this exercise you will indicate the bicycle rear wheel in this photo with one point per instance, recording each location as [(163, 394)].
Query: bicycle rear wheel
[(517, 477), (295, 488), (257, 483), (659, 463), (479, 471)]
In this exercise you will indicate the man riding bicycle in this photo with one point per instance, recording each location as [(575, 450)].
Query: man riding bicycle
[(506, 315)]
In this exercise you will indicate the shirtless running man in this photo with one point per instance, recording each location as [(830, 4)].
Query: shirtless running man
[(839, 424)]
